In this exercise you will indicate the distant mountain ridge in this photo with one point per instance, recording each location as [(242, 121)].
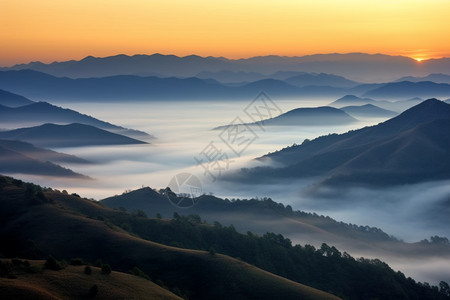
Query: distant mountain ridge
[(24, 158), (351, 100), (355, 66), (34, 152), (42, 86), (368, 110), (128, 87), (436, 77), (321, 79), (388, 106), (299, 79), (409, 148), (72, 135), (407, 89), (13, 100), (307, 116), (38, 113)]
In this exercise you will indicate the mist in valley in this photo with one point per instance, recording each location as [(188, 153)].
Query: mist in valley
[(183, 130)]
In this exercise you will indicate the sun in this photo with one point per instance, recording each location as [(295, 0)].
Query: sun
[(420, 57)]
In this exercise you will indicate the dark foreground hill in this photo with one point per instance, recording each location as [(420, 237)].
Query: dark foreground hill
[(72, 135), (36, 223), (42, 112), (30, 279), (412, 147)]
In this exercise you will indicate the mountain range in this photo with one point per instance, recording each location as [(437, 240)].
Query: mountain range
[(412, 147), (348, 100), (38, 113), (41, 86), (306, 116), (13, 100), (20, 157), (71, 135), (38, 85), (407, 89), (437, 78), (355, 66), (392, 106), (300, 79), (368, 111)]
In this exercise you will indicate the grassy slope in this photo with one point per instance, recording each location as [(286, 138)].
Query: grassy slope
[(72, 283), (55, 229)]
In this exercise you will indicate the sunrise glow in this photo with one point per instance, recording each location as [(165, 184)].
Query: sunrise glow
[(47, 30)]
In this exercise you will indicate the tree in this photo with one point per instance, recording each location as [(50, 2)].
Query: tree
[(194, 219), (444, 288), (439, 240), (140, 213)]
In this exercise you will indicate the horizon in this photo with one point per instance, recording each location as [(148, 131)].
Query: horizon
[(47, 62)]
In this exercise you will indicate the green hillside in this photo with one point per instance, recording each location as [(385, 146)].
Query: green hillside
[(35, 223), (33, 281)]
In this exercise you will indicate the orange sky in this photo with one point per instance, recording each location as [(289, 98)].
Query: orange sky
[(55, 30)]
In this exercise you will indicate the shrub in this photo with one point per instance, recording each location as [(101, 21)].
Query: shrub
[(5, 268), (16, 262), (53, 264), (106, 269), (140, 213), (87, 270), (138, 272), (212, 251), (77, 262), (93, 291)]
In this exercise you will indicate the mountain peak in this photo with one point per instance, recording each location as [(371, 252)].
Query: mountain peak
[(428, 110)]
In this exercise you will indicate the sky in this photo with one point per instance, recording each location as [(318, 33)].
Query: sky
[(58, 30)]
